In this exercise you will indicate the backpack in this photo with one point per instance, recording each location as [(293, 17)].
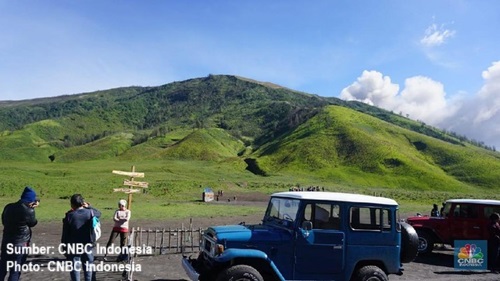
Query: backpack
[(96, 227)]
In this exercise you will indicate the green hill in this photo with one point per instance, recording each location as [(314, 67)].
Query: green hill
[(355, 148), (249, 133)]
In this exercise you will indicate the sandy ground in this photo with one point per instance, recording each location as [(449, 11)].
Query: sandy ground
[(438, 266)]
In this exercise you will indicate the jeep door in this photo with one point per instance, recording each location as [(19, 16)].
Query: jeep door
[(320, 250), (465, 223)]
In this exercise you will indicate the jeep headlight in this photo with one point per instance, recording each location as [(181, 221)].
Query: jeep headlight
[(219, 249), (210, 246)]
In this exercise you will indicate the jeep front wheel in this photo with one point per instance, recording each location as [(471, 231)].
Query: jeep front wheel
[(371, 273), (240, 272), (425, 242)]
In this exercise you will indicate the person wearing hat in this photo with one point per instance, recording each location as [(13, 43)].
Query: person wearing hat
[(121, 219), (17, 218)]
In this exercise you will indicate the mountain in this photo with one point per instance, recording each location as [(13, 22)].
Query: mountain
[(261, 127)]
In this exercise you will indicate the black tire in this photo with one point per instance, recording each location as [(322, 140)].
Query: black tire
[(240, 272), (425, 242), (409, 243), (371, 273)]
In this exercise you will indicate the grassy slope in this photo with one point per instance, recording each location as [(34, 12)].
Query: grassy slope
[(105, 148), (348, 147), (36, 141), (205, 144), (28, 144)]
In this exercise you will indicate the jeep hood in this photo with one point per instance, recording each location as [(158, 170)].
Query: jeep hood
[(423, 218), (425, 221), (247, 233)]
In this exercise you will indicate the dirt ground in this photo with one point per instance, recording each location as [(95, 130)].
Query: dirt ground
[(438, 266)]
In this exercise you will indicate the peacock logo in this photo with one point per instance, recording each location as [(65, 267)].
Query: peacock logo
[(470, 251), (469, 255)]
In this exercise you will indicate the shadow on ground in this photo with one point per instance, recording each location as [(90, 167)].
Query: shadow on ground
[(443, 258)]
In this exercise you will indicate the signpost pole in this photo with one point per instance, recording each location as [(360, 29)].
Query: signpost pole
[(130, 194)]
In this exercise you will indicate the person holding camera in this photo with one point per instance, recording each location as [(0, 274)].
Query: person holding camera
[(17, 218), (77, 231)]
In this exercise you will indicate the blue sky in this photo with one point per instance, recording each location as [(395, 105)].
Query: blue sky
[(435, 61)]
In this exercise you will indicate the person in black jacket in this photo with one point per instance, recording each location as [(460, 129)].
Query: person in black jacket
[(77, 230), (435, 211), (17, 218)]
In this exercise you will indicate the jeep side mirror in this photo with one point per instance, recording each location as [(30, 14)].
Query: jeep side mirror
[(307, 225)]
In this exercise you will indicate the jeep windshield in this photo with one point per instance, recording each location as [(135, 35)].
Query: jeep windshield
[(282, 211)]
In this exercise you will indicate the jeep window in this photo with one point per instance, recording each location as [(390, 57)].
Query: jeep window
[(370, 218), (446, 210), (465, 211), (282, 210), (398, 225), (488, 210), (323, 216)]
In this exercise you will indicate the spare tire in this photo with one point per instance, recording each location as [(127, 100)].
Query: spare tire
[(409, 243)]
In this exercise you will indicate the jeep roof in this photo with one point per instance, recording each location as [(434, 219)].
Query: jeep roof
[(474, 201), (337, 196)]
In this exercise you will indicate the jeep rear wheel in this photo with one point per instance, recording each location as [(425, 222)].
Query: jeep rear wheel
[(240, 272), (425, 242), (371, 273)]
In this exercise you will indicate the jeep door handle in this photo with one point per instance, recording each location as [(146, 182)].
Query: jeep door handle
[(476, 227)]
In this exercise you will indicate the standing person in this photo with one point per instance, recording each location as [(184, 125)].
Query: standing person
[(17, 218), (493, 242), (435, 211), (77, 229), (441, 211), (121, 219)]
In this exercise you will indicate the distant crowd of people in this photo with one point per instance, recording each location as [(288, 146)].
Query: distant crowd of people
[(309, 188), (220, 194)]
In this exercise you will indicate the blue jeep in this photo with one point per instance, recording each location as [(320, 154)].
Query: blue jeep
[(309, 236)]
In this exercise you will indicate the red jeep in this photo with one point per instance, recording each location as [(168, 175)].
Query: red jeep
[(461, 219)]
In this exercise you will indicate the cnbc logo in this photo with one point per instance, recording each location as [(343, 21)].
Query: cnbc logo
[(470, 255)]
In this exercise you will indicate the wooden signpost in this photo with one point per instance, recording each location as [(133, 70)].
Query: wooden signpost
[(130, 183)]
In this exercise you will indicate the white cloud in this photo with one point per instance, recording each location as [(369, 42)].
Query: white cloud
[(421, 99), (424, 99), (479, 117), (436, 36), (371, 88), (431, 42)]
